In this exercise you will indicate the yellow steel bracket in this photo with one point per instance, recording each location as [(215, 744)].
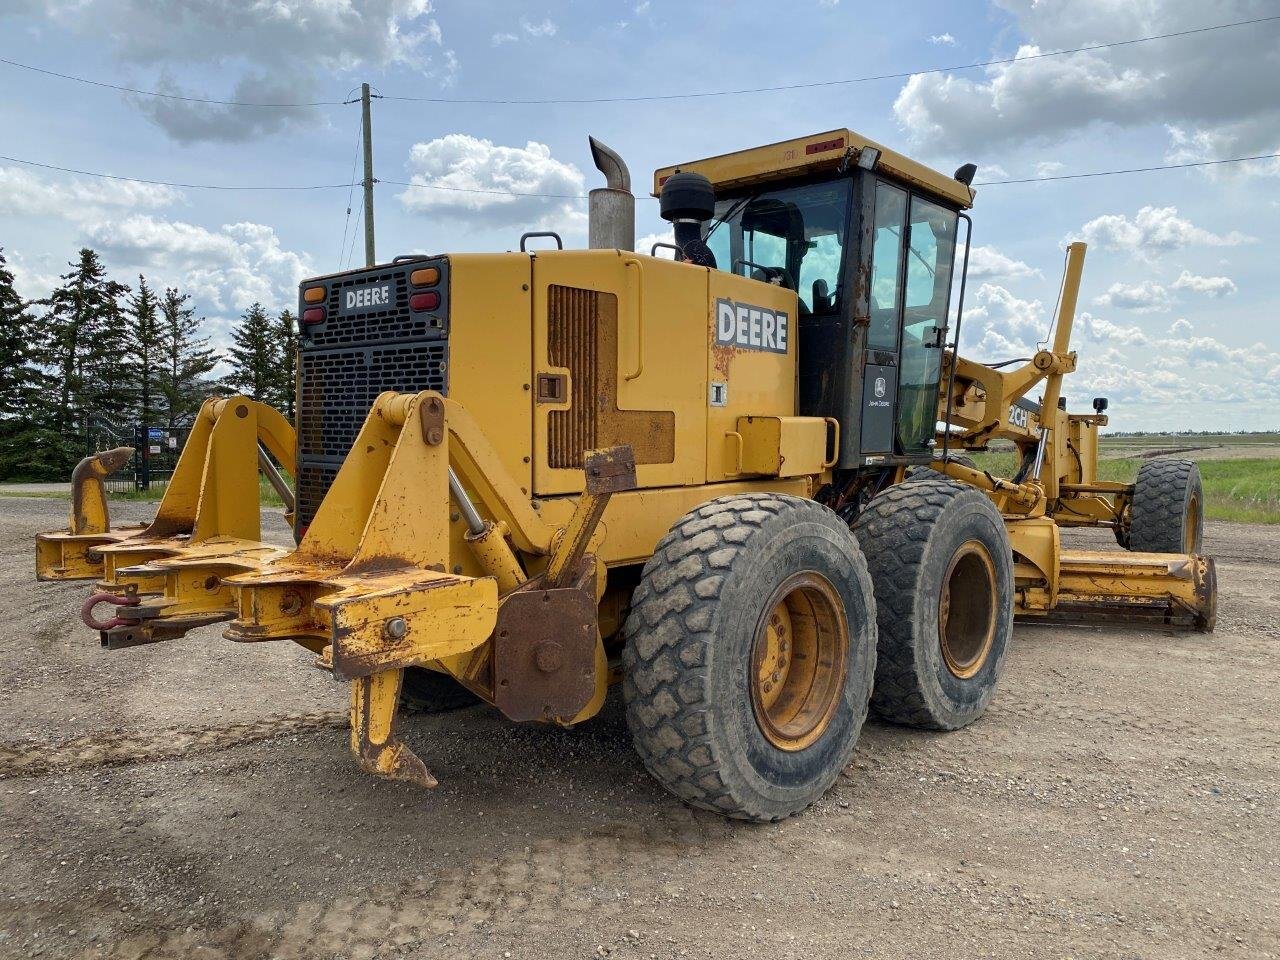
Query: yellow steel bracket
[(207, 527), (66, 554), (368, 583)]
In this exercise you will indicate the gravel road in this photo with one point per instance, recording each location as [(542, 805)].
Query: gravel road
[(197, 799)]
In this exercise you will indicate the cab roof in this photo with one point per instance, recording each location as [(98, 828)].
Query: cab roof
[(819, 151)]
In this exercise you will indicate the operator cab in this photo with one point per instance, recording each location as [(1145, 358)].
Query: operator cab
[(867, 240)]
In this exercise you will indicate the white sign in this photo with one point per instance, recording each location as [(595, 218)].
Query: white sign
[(750, 327), (359, 298)]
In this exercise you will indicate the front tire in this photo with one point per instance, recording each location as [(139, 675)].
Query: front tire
[(750, 654), (942, 567), (1167, 513)]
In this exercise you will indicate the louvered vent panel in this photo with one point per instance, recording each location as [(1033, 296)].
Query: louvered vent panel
[(573, 316)]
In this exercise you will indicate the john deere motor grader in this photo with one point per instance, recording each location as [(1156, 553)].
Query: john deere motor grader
[(731, 481)]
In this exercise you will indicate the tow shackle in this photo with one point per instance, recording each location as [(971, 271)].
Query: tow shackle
[(86, 611)]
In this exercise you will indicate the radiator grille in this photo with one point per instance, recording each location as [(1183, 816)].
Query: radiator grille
[(346, 361), (573, 319), (338, 388), (313, 482)]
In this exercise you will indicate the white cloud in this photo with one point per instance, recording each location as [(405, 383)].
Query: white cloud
[(1000, 326), (988, 262), (1211, 286), (528, 29), (25, 194), (1101, 330), (1257, 136), (1153, 230), (545, 28), (487, 184), (282, 50), (1048, 168), (1181, 328), (1144, 297), (225, 270), (942, 40), (1220, 83), (645, 244)]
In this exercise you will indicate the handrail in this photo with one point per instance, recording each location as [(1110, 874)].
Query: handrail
[(629, 262)]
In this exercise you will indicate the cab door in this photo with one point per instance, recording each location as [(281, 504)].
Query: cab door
[(913, 248)]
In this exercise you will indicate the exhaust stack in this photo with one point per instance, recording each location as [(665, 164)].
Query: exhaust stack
[(612, 208)]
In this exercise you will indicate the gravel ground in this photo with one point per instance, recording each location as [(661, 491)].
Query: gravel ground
[(196, 799)]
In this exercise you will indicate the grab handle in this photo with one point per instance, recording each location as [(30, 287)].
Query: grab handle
[(639, 318)]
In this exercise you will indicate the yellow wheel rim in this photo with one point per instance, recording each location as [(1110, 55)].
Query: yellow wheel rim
[(798, 661), (967, 610)]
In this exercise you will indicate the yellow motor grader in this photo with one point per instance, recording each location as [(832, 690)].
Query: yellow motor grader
[(731, 481)]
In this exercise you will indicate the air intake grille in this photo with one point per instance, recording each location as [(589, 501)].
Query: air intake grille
[(573, 318), (338, 388)]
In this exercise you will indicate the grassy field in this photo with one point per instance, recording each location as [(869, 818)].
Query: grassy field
[(266, 494), (1244, 489)]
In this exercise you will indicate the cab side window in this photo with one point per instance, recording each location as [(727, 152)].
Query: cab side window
[(886, 266)]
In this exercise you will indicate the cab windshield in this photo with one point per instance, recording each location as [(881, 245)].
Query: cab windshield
[(792, 237)]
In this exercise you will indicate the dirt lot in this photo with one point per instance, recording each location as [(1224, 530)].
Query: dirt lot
[(196, 799)]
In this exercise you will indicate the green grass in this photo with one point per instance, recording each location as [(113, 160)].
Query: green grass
[(267, 495), (1246, 490)]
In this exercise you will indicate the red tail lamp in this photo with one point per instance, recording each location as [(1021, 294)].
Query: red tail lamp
[(313, 315), (424, 301)]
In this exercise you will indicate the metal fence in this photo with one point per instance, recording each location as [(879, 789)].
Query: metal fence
[(155, 451)]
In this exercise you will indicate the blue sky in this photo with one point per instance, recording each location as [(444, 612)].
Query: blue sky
[(1180, 294)]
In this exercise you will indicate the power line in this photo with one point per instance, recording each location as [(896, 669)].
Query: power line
[(830, 83), (346, 185), (1116, 173), (901, 75), (169, 96), (171, 183)]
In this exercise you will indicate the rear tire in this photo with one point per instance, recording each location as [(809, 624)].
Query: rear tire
[(428, 691), (942, 568), (749, 656), (1167, 513)]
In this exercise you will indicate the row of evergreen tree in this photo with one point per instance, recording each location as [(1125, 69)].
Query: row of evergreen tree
[(96, 349)]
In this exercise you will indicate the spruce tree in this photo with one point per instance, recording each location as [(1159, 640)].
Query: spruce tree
[(287, 337), (255, 356), (85, 344), (145, 348), (19, 378), (186, 360), (30, 449)]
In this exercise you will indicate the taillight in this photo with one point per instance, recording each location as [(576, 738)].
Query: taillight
[(425, 277), (313, 315), (313, 295), (424, 301)]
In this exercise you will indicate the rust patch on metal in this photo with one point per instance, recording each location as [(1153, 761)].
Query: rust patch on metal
[(610, 471), (544, 649), (431, 413)]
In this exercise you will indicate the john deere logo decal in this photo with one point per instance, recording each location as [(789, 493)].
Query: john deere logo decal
[(750, 327), (880, 386)]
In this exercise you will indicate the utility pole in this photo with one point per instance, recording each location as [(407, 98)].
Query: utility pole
[(369, 258)]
